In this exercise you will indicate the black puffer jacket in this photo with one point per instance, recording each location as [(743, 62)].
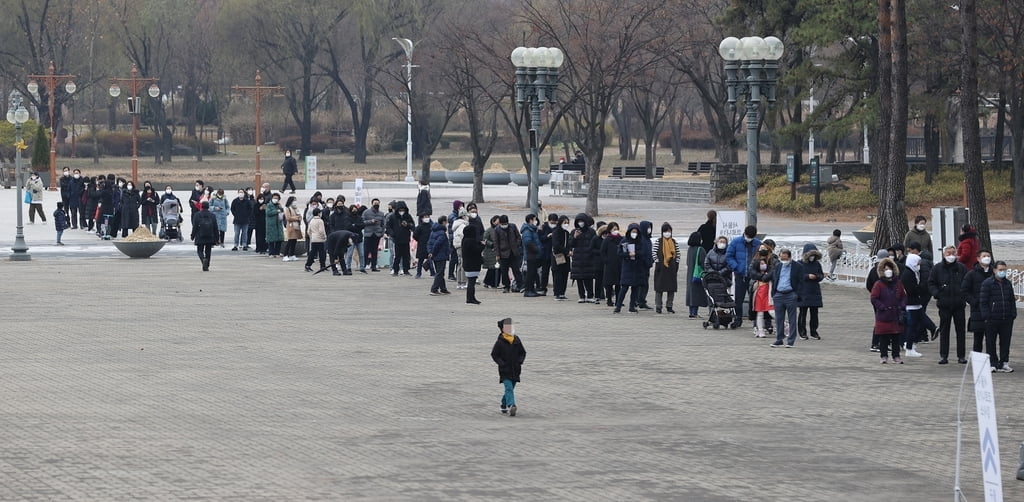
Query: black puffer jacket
[(972, 288), (945, 284), (509, 357), (997, 300), (585, 259)]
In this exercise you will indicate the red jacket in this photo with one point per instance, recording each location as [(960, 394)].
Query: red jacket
[(967, 250)]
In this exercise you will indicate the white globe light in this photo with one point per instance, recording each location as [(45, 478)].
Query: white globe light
[(540, 57), (519, 57), (10, 115), (530, 57), (70, 87), (727, 49), (557, 58), (754, 48), (21, 115), (774, 48), (115, 90), (32, 87), (154, 91)]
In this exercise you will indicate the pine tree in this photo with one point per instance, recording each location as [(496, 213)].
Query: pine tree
[(41, 151)]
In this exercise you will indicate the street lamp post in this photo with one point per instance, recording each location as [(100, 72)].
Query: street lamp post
[(751, 64), (51, 81), (536, 83), (257, 92), (407, 46), (18, 115), (135, 84)]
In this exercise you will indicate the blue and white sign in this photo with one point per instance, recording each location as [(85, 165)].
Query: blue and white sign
[(987, 432)]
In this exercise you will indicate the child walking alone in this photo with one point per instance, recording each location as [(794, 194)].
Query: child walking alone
[(509, 354)]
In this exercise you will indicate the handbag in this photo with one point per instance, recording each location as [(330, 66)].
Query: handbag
[(559, 259), (28, 197)]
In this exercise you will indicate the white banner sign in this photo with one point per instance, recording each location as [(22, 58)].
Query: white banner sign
[(310, 173), (730, 224), (358, 199), (987, 432)]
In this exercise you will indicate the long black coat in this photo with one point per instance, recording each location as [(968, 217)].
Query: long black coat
[(472, 250), (945, 284), (666, 279), (509, 357), (610, 260), (130, 202), (810, 289), (585, 260), (971, 287)]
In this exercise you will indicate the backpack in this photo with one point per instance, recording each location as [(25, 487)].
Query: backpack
[(206, 228)]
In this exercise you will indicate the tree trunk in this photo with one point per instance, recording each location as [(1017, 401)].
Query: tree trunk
[(997, 157), (622, 121), (676, 126), (892, 216), (973, 176)]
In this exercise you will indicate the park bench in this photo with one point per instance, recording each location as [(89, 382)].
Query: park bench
[(635, 172), (699, 167), (579, 168)]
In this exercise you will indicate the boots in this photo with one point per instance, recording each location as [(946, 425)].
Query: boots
[(471, 292)]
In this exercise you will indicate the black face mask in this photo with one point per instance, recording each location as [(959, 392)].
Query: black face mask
[(764, 253), (376, 207)]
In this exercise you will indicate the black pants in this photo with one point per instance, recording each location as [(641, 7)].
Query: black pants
[(634, 296), (338, 259), (316, 251), (33, 208), (204, 251), (957, 316), (544, 271), (422, 263), (741, 296), (289, 247), (401, 258), (531, 281), (979, 337), (887, 341), (370, 245), (611, 292), (439, 284), (998, 332), (453, 260), (288, 183), (585, 287), (560, 275), (801, 322), (596, 289), (274, 248), (641, 292), (506, 264), (491, 278), (77, 215), (261, 236)]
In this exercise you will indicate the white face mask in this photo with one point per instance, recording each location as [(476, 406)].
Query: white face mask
[(168, 192), (615, 233), (784, 262), (920, 227), (985, 260), (950, 258), (566, 227), (78, 176), (667, 235), (473, 215), (721, 245), (579, 224), (426, 220), (888, 273), (634, 234)]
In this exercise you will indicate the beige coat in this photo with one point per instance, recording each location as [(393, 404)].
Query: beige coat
[(293, 224), (317, 230)]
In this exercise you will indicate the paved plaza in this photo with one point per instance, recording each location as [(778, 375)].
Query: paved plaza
[(149, 379)]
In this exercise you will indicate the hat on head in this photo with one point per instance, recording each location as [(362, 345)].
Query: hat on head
[(507, 320), (882, 254)]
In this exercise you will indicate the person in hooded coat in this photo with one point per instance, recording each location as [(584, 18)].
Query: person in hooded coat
[(439, 249), (472, 260), (915, 288), (422, 234), (967, 250), (610, 260), (400, 227), (560, 262), (131, 201), (423, 205), (666, 267), (647, 247), (584, 261), (635, 262), (696, 257), (889, 299), (810, 291)]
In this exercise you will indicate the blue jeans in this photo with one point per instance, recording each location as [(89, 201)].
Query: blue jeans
[(358, 246), (241, 235), (909, 336), (785, 306), (509, 398)]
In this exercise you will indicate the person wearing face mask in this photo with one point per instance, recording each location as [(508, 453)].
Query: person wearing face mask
[(786, 283), (918, 234), (241, 215), (971, 287), (259, 218), (204, 234), (491, 279), (65, 185), (715, 260), (219, 208), (453, 261), (998, 309), (531, 252), (438, 249), (945, 284), (317, 237), (356, 225), (131, 200), (401, 229), (508, 245), (76, 202), (422, 235), (666, 269), (292, 229), (275, 230), (195, 199), (646, 247), (634, 262), (584, 258), (474, 218), (967, 249), (34, 189), (760, 275), (544, 272), (373, 231), (458, 232), (914, 287), (738, 255), (611, 261), (889, 300), (561, 237), (472, 260), (423, 205), (289, 167), (810, 292), (509, 354)]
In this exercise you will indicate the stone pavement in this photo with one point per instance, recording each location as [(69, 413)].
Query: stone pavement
[(149, 379)]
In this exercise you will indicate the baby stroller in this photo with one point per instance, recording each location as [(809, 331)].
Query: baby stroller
[(170, 220), (720, 301)]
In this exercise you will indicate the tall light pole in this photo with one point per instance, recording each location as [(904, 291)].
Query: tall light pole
[(751, 65), (51, 81), (135, 84), (536, 83), (257, 92), (18, 115), (407, 46)]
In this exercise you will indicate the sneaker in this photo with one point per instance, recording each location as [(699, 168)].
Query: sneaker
[(885, 360), (914, 353), (776, 345), (815, 336), (582, 300), (1005, 369), (308, 269), (943, 361), (512, 410), (504, 409), (789, 345), (234, 248), (435, 293), (803, 336), (669, 310), (897, 360), (286, 259), (874, 348)]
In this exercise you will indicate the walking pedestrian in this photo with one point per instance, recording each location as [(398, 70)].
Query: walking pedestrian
[(509, 354), (34, 188), (835, 252), (204, 234), (666, 268), (945, 284), (889, 300), (289, 167), (999, 309)]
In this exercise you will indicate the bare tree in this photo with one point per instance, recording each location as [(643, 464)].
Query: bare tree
[(973, 179), (891, 225)]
